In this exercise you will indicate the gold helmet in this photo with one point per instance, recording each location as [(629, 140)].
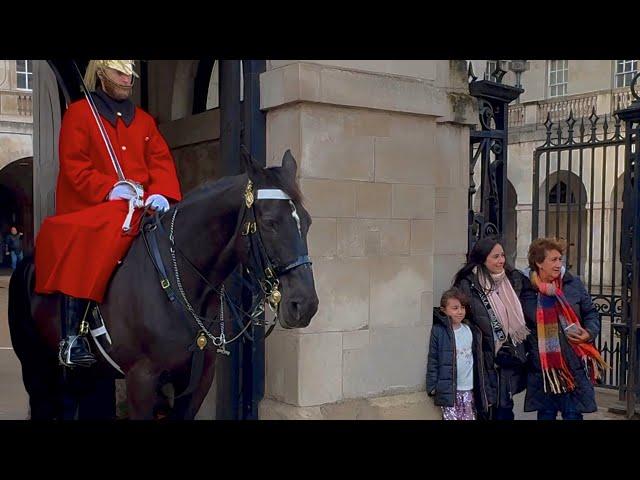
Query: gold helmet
[(91, 74)]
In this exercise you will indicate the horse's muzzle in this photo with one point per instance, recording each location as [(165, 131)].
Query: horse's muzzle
[(299, 298), (298, 314)]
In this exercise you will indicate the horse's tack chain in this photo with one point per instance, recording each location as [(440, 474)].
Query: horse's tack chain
[(219, 341)]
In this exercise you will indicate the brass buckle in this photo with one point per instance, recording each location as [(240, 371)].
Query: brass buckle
[(84, 327), (248, 194)]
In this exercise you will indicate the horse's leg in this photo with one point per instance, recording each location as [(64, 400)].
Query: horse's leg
[(98, 399), (42, 379), (41, 374), (187, 407), (142, 391)]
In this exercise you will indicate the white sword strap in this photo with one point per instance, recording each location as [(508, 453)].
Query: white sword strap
[(105, 138), (103, 131)]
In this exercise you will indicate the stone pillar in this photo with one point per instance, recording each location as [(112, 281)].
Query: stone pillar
[(382, 149), (46, 128)]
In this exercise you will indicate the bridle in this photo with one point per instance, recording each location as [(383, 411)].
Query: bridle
[(261, 268), (266, 272)]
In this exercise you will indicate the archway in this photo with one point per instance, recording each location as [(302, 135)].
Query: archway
[(16, 199), (564, 215)]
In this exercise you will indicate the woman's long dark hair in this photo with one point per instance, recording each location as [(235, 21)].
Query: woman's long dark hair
[(477, 257)]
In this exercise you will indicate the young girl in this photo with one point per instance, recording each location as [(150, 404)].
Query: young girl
[(457, 373)]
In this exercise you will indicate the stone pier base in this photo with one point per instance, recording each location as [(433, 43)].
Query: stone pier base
[(407, 406)]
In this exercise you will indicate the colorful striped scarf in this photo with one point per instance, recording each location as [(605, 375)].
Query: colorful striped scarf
[(552, 313)]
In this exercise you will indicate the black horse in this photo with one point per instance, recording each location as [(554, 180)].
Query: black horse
[(256, 219)]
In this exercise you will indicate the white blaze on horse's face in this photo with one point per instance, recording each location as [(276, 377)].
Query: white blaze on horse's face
[(277, 194), (294, 214)]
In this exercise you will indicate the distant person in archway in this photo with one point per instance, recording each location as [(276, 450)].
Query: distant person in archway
[(13, 242)]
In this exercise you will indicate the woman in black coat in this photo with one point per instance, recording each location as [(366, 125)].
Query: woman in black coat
[(558, 308), (493, 289)]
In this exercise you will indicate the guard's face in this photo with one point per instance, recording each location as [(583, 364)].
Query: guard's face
[(116, 84)]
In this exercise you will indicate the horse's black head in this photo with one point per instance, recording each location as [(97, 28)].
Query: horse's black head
[(282, 227)]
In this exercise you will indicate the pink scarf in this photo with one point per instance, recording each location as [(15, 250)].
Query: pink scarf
[(506, 305)]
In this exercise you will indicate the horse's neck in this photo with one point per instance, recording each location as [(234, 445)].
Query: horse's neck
[(204, 231)]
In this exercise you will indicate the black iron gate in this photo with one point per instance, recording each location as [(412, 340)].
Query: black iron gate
[(488, 147), (630, 251), (583, 174)]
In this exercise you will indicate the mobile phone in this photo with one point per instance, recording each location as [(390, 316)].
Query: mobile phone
[(572, 328)]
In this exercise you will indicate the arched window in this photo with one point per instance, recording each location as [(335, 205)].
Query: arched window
[(207, 84), (558, 194)]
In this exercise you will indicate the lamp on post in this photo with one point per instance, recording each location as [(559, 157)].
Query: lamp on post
[(488, 150), (495, 72), (518, 67)]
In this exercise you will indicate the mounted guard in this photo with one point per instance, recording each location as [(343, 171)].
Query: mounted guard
[(113, 163)]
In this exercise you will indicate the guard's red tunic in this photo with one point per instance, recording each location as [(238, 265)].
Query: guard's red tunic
[(78, 249)]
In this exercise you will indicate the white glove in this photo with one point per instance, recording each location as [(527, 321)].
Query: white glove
[(157, 202), (125, 190)]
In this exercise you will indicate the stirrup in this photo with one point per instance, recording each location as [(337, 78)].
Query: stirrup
[(82, 359)]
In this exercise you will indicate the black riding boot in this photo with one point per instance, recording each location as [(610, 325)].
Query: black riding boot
[(74, 349)]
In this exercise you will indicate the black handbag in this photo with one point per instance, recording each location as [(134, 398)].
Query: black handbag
[(511, 356)]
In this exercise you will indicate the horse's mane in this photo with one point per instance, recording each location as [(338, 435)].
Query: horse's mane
[(208, 189), (274, 176)]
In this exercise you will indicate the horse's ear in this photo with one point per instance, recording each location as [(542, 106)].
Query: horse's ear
[(250, 166), (289, 164)]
